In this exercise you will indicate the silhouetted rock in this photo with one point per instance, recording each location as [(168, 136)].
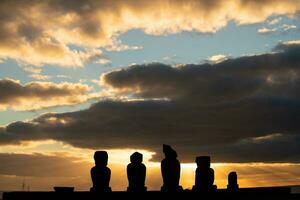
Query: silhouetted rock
[(100, 173), (170, 169), (136, 173), (205, 176), (232, 182)]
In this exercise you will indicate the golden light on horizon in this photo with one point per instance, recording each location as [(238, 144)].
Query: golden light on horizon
[(81, 160)]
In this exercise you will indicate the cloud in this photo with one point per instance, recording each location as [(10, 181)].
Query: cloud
[(40, 165), (281, 29), (291, 46), (32, 70), (37, 95), (217, 58), (288, 27), (267, 149), (240, 110), (50, 32), (267, 30), (274, 21), (103, 61), (35, 73), (39, 77), (117, 45), (170, 57)]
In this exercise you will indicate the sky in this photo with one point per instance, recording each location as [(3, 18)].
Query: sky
[(209, 77)]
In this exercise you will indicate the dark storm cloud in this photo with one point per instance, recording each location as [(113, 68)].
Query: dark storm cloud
[(241, 110), (274, 148), (39, 165), (274, 74)]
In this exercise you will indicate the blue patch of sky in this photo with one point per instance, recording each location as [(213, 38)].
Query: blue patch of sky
[(11, 69)]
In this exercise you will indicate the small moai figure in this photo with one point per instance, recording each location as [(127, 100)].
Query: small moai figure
[(205, 176), (233, 185), (170, 170), (136, 173), (100, 173)]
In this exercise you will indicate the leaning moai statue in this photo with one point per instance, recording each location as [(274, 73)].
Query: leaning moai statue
[(233, 185), (170, 170), (100, 173), (205, 175), (136, 173)]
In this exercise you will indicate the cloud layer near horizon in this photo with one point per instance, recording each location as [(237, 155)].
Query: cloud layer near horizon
[(38, 95), (40, 165), (39, 32), (42, 172), (244, 109)]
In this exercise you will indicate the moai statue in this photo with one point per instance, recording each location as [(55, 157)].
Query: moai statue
[(170, 170), (233, 185), (205, 176), (100, 173), (136, 173)]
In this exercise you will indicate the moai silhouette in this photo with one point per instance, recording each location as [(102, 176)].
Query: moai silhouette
[(170, 170), (233, 185), (205, 176), (136, 173), (100, 173)]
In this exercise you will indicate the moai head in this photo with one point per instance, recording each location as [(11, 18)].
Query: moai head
[(203, 162), (101, 158), (169, 152), (232, 178), (136, 158)]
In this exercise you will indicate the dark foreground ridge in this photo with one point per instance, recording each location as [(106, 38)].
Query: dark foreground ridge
[(244, 193)]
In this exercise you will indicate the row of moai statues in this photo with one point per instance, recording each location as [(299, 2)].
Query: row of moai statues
[(170, 169)]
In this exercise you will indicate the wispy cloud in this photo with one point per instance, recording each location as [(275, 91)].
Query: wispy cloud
[(274, 21), (280, 29), (287, 27), (103, 61), (39, 77), (36, 73), (267, 30)]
